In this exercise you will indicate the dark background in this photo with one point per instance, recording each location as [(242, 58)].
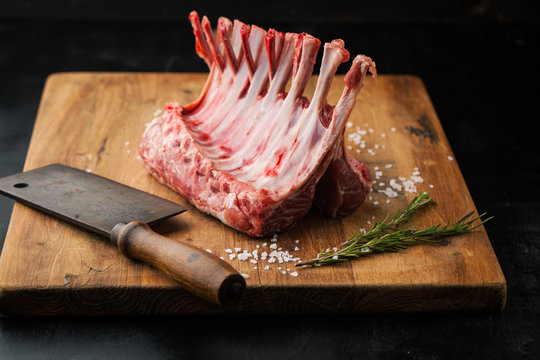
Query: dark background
[(478, 62)]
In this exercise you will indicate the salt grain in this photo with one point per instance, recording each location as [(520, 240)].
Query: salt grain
[(245, 276), (158, 112), (294, 273)]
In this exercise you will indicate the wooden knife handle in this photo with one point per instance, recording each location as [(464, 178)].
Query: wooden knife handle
[(197, 270)]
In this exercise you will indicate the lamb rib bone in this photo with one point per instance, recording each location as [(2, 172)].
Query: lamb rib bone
[(246, 151)]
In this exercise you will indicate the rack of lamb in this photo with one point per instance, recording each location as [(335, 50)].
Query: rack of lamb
[(246, 151)]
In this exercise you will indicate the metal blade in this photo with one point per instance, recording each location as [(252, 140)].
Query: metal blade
[(87, 200)]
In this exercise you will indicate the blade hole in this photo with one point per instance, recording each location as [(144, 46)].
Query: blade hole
[(20, 185)]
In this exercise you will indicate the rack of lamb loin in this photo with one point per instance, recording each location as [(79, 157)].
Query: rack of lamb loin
[(249, 153)]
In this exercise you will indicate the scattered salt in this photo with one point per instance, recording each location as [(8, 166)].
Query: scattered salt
[(245, 276)]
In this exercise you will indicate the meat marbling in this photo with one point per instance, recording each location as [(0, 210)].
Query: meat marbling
[(246, 151)]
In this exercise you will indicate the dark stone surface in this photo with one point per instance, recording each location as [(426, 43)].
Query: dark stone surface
[(483, 80)]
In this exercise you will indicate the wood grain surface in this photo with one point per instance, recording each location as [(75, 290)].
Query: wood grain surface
[(94, 121)]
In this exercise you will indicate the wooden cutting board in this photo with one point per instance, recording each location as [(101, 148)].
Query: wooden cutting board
[(94, 121)]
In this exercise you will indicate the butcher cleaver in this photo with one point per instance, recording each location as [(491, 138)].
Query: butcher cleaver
[(123, 214)]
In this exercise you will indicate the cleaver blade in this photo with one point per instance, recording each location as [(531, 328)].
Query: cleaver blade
[(123, 214), (90, 201)]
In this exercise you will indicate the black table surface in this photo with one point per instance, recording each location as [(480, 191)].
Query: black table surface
[(483, 81)]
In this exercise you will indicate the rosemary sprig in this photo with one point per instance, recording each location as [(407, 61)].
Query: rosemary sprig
[(384, 236)]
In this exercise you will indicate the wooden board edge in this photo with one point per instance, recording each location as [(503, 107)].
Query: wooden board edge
[(173, 301)]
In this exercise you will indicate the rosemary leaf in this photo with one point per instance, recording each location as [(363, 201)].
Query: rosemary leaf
[(385, 236)]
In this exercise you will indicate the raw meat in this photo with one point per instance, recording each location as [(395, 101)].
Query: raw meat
[(246, 151)]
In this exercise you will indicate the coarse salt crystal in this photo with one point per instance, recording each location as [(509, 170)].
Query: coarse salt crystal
[(450, 158), (388, 166), (389, 192), (232, 256), (208, 250), (158, 112), (409, 186), (88, 170), (253, 261), (273, 246), (294, 273), (393, 129), (245, 276), (228, 251), (296, 248)]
